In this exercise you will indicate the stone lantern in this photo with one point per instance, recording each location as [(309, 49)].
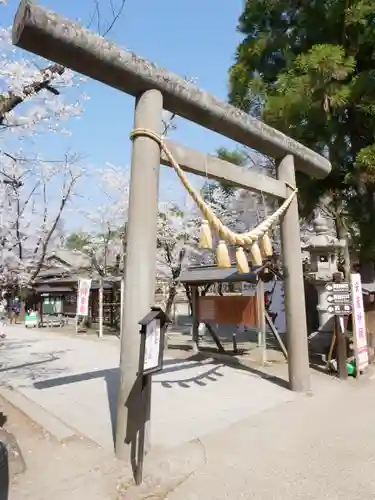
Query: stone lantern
[(323, 248)]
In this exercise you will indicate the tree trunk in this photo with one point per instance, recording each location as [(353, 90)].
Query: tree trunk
[(188, 296), (22, 292), (367, 228), (172, 292), (342, 234)]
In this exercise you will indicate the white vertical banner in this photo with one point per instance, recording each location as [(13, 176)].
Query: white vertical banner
[(84, 286), (359, 324)]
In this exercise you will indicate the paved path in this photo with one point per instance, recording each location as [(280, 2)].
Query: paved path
[(322, 447), (76, 380)]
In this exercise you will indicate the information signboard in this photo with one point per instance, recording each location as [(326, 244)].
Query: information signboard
[(153, 328), (339, 300), (152, 346)]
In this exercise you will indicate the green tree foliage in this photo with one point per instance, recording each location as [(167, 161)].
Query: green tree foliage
[(307, 68), (78, 241), (235, 156)]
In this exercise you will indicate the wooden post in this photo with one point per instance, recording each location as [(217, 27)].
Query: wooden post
[(101, 307), (262, 341), (139, 268), (342, 368), (339, 331), (295, 309), (141, 450), (195, 327), (276, 334)]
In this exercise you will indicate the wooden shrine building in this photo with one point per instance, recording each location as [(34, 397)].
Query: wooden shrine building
[(218, 298)]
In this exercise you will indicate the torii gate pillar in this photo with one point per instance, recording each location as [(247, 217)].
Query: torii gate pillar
[(295, 309), (140, 269)]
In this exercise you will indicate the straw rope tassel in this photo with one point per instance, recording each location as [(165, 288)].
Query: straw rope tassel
[(241, 261), (256, 256), (248, 239), (205, 239), (222, 255), (266, 246)]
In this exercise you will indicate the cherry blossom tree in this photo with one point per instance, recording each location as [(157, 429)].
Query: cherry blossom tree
[(30, 221), (178, 233), (106, 240), (36, 99), (177, 239)]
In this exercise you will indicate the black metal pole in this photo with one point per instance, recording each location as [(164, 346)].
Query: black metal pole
[(138, 475), (341, 350)]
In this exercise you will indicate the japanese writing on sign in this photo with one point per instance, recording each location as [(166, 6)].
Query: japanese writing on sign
[(339, 299), (359, 325), (152, 345), (84, 286)]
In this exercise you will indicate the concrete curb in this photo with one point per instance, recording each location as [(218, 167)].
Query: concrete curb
[(37, 414)]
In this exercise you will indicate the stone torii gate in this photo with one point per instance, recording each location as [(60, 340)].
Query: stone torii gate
[(47, 34)]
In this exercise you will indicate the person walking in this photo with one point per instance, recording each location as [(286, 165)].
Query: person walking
[(15, 310), (3, 315)]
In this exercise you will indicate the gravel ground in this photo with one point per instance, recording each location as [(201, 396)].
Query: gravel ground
[(73, 470)]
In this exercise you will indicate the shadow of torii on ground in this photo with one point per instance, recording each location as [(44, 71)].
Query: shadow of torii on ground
[(111, 377)]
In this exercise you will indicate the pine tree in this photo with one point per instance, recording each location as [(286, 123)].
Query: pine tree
[(307, 68)]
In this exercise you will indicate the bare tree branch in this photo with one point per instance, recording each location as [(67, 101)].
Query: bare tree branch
[(169, 123), (18, 233), (19, 213), (116, 16), (45, 215), (44, 244), (96, 16), (24, 159), (10, 180)]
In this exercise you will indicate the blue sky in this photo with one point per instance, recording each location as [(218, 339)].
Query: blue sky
[(196, 38)]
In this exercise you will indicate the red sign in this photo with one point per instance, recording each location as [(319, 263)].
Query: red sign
[(83, 297)]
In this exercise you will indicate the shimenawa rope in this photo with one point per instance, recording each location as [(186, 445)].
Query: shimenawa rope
[(244, 239)]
